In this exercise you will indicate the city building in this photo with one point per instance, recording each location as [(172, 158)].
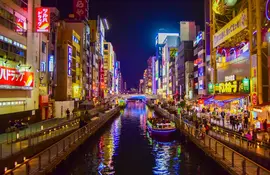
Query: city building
[(200, 66), (82, 28), (159, 44), (69, 69), (109, 61), (20, 54), (170, 51), (145, 80)]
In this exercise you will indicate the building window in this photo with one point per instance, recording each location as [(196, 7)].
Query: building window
[(12, 52), (106, 53), (21, 3), (105, 46), (12, 22), (44, 47)]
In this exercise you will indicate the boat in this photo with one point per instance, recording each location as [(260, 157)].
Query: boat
[(160, 127)]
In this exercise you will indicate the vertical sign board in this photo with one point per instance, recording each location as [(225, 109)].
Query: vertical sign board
[(80, 9), (254, 80), (69, 59), (42, 19)]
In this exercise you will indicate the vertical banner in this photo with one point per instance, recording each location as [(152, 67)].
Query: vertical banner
[(80, 9), (254, 98)]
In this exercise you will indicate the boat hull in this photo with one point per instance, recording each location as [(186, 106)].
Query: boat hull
[(160, 132)]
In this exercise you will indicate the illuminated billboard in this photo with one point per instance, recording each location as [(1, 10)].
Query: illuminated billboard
[(80, 9), (69, 59), (11, 78), (160, 38), (42, 19)]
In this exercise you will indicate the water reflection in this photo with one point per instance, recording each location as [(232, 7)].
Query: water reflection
[(125, 147)]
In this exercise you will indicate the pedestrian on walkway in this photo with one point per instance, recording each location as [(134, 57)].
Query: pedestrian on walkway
[(265, 125), (222, 116), (68, 113), (249, 138), (254, 137), (246, 121)]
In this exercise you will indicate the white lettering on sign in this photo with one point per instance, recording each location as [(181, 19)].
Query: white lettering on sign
[(12, 75), (229, 78)]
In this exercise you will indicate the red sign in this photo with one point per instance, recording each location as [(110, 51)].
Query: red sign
[(254, 99), (14, 79), (42, 19), (19, 25), (80, 9), (200, 101)]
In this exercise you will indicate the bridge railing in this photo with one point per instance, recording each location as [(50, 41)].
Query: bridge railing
[(55, 153), (235, 161)]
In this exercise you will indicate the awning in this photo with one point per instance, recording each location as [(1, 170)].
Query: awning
[(229, 97)]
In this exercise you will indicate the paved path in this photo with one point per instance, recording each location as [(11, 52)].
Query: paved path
[(225, 155), (33, 128), (51, 155), (9, 149)]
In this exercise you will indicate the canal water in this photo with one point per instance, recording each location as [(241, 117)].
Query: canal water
[(124, 147)]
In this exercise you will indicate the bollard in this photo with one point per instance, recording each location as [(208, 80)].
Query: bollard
[(49, 156), (232, 159), (216, 147), (27, 168), (39, 162), (244, 166), (223, 152)]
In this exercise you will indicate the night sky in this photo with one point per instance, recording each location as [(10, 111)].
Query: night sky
[(134, 24)]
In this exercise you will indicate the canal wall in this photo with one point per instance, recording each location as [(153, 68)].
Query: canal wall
[(48, 159), (229, 159)]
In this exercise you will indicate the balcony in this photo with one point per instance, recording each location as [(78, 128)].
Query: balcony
[(21, 3)]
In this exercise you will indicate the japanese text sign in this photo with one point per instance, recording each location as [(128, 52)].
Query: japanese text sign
[(14, 79), (42, 19), (80, 9), (69, 60), (236, 25)]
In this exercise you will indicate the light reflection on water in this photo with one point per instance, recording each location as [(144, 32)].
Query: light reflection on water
[(125, 147)]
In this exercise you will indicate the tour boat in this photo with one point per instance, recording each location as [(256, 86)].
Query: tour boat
[(161, 128)]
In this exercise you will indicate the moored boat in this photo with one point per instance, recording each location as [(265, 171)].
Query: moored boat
[(161, 127)]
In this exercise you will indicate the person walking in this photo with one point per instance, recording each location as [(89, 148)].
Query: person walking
[(68, 113), (222, 116), (246, 121), (265, 125)]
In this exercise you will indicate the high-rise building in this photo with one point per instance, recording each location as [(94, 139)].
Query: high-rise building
[(109, 57), (20, 59), (69, 67), (187, 30), (159, 44)]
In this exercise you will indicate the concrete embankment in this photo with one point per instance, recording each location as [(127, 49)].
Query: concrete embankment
[(48, 159)]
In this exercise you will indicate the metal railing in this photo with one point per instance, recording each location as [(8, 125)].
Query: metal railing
[(18, 145), (61, 149), (233, 160)]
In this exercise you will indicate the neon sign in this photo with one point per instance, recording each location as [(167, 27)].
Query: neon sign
[(230, 87), (199, 37), (11, 78), (69, 59), (51, 63), (266, 10), (42, 19)]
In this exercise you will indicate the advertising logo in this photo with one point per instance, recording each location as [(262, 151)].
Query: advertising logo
[(11, 78), (80, 9), (42, 19)]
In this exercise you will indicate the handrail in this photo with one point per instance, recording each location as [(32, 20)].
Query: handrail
[(81, 133), (235, 152)]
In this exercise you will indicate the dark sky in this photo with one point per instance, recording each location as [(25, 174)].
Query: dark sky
[(134, 24)]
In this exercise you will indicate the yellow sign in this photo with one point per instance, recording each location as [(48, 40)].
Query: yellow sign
[(236, 25)]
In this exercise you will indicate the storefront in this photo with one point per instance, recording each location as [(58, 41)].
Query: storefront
[(231, 95), (261, 113)]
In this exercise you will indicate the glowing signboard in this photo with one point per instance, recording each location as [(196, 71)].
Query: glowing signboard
[(19, 25), (235, 26), (51, 63), (266, 10), (42, 19), (69, 59), (11, 78), (199, 37), (80, 9), (230, 87)]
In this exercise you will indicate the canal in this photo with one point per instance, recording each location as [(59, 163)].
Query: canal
[(124, 147)]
